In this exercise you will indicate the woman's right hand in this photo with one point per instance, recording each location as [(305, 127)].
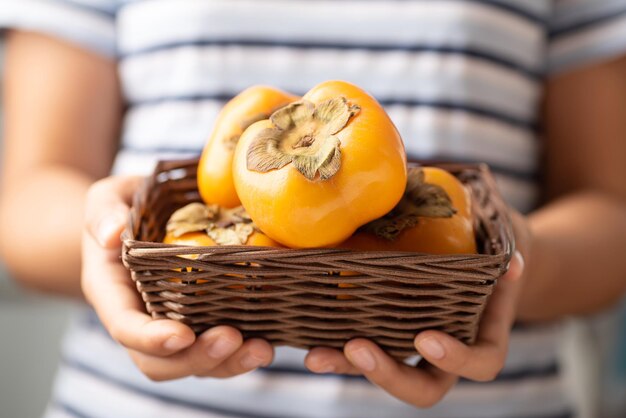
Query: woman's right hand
[(162, 349)]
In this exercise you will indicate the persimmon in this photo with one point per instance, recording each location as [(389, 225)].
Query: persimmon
[(434, 216), (200, 225), (193, 239), (257, 239), (320, 167), (215, 179)]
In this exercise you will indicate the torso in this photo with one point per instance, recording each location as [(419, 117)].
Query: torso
[(462, 82)]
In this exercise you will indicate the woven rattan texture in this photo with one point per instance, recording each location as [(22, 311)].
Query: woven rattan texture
[(292, 297)]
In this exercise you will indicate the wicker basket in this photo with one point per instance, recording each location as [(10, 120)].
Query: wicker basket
[(291, 297)]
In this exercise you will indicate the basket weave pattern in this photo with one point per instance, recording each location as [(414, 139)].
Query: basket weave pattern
[(291, 297)]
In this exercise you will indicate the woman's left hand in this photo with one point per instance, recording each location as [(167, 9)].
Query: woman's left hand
[(445, 359)]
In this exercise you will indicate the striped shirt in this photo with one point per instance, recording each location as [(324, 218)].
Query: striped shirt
[(462, 81)]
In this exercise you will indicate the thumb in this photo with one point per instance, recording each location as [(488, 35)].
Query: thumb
[(107, 208), (108, 229)]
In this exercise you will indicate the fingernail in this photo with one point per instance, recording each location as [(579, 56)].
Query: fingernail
[(220, 348), (520, 259), (108, 226), (431, 348), (363, 359), (175, 343), (250, 361), (514, 274)]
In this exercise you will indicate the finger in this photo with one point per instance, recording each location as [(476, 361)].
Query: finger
[(521, 231), (422, 387), (479, 362), (106, 209), (254, 353), (110, 290), (484, 360), (206, 355), (329, 360), (499, 314)]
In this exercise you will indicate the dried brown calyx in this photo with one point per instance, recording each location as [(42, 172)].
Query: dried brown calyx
[(420, 199), (191, 218), (224, 226), (303, 134)]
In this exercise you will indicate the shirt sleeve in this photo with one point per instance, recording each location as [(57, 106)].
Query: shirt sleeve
[(86, 23), (583, 32)]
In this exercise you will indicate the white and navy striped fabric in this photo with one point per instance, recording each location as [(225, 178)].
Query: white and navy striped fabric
[(460, 78)]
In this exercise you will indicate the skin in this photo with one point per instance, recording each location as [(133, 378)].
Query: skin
[(568, 245), (46, 154)]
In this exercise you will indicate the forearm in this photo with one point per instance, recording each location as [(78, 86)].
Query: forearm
[(41, 217), (578, 257), (59, 135)]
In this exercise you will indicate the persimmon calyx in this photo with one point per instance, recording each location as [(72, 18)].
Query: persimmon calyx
[(231, 227), (420, 199), (224, 226), (304, 135), (191, 218)]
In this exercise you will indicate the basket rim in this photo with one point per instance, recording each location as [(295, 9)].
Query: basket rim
[(149, 249)]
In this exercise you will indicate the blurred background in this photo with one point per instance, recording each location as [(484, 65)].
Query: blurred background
[(31, 328)]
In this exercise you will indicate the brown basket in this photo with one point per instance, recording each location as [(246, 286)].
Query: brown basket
[(291, 297)]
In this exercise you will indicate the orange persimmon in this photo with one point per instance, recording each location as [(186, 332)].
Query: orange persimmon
[(200, 225), (320, 167), (434, 216), (215, 179), (197, 224), (256, 239), (193, 239)]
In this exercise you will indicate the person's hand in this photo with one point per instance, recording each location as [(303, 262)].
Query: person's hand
[(162, 349), (445, 359)]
